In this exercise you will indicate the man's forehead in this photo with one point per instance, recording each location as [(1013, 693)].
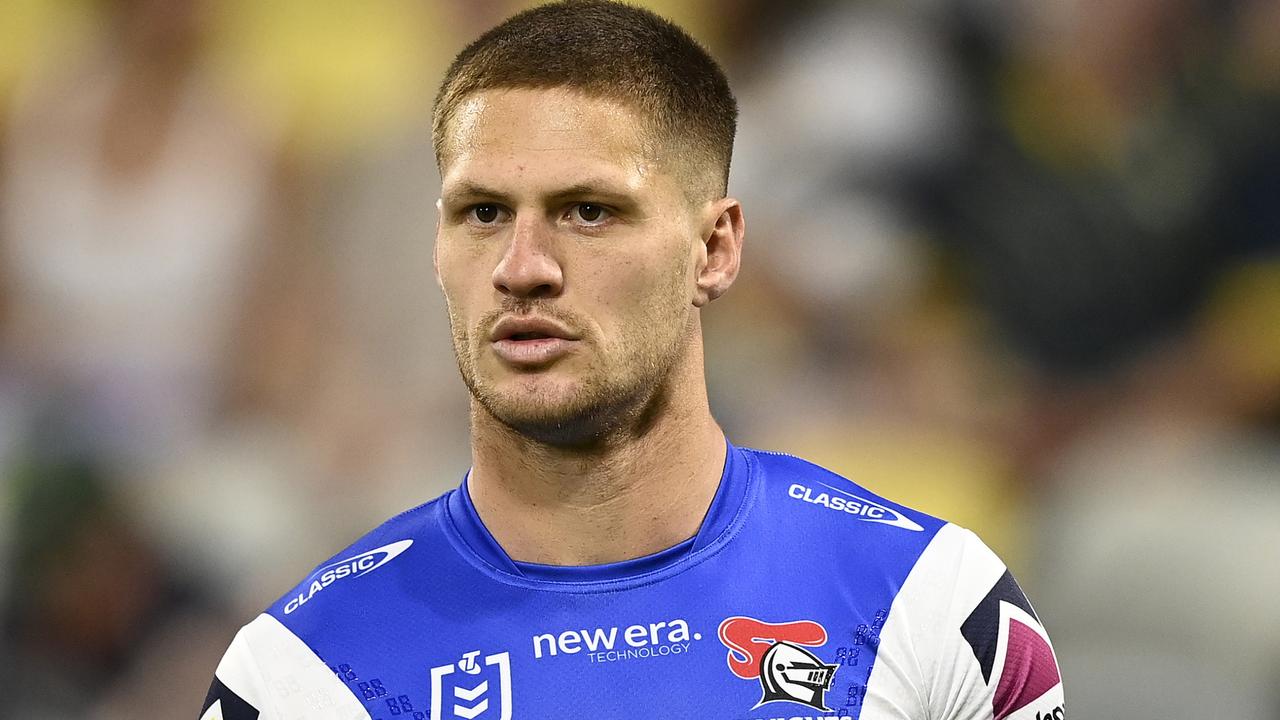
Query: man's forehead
[(561, 108), (556, 135)]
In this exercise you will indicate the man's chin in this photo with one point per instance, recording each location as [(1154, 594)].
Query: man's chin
[(559, 414), (557, 426)]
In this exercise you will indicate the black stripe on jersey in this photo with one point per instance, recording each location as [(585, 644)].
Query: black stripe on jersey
[(982, 628), (234, 707)]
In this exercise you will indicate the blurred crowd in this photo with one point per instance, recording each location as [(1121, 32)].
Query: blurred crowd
[(1013, 262)]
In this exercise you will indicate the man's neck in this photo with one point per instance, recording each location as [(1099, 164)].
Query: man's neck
[(623, 500)]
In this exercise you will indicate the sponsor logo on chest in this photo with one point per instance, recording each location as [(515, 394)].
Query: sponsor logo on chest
[(611, 644)]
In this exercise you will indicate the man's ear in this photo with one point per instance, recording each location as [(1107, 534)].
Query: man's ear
[(720, 253)]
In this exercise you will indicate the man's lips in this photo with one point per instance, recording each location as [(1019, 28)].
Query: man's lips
[(531, 340), (529, 327)]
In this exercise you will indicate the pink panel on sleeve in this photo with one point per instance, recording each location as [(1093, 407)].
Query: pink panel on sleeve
[(1029, 670)]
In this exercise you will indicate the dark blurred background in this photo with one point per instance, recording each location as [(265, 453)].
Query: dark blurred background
[(1014, 262)]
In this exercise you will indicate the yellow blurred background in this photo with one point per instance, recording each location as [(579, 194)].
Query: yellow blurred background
[(1016, 264)]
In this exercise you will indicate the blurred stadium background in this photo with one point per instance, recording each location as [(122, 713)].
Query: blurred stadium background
[(1015, 262)]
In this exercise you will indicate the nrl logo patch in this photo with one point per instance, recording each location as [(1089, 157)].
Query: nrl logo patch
[(472, 687)]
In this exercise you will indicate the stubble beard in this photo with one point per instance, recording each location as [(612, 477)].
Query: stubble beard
[(618, 395)]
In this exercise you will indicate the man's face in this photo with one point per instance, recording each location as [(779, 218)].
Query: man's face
[(567, 256)]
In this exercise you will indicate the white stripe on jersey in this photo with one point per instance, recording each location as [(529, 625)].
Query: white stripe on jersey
[(277, 673), (925, 669)]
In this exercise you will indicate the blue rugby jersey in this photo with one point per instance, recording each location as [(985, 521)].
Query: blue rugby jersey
[(802, 596)]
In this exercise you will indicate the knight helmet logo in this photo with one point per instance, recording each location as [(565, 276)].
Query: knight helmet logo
[(789, 672), (773, 653)]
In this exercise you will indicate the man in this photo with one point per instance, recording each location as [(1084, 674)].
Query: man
[(610, 555)]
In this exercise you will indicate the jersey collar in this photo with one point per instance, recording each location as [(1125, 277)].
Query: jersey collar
[(727, 505)]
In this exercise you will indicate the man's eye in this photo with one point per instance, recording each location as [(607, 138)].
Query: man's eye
[(486, 214), (589, 213)]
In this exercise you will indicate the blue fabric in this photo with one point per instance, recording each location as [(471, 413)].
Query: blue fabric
[(452, 619)]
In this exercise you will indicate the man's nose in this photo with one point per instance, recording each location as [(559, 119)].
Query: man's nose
[(528, 269)]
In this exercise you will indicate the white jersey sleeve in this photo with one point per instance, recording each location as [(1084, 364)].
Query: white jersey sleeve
[(963, 643), (268, 673)]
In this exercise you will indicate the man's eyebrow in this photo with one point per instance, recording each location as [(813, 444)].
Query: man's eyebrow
[(466, 191), (592, 188)]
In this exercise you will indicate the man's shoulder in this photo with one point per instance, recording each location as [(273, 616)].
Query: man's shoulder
[(336, 580), (807, 498), (279, 648), (806, 492)]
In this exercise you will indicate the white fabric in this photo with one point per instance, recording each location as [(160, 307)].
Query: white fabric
[(274, 671), (925, 669)]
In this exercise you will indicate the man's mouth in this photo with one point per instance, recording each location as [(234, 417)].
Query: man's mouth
[(529, 327), (530, 341)]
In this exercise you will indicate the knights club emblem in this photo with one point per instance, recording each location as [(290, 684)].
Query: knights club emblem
[(775, 654)]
